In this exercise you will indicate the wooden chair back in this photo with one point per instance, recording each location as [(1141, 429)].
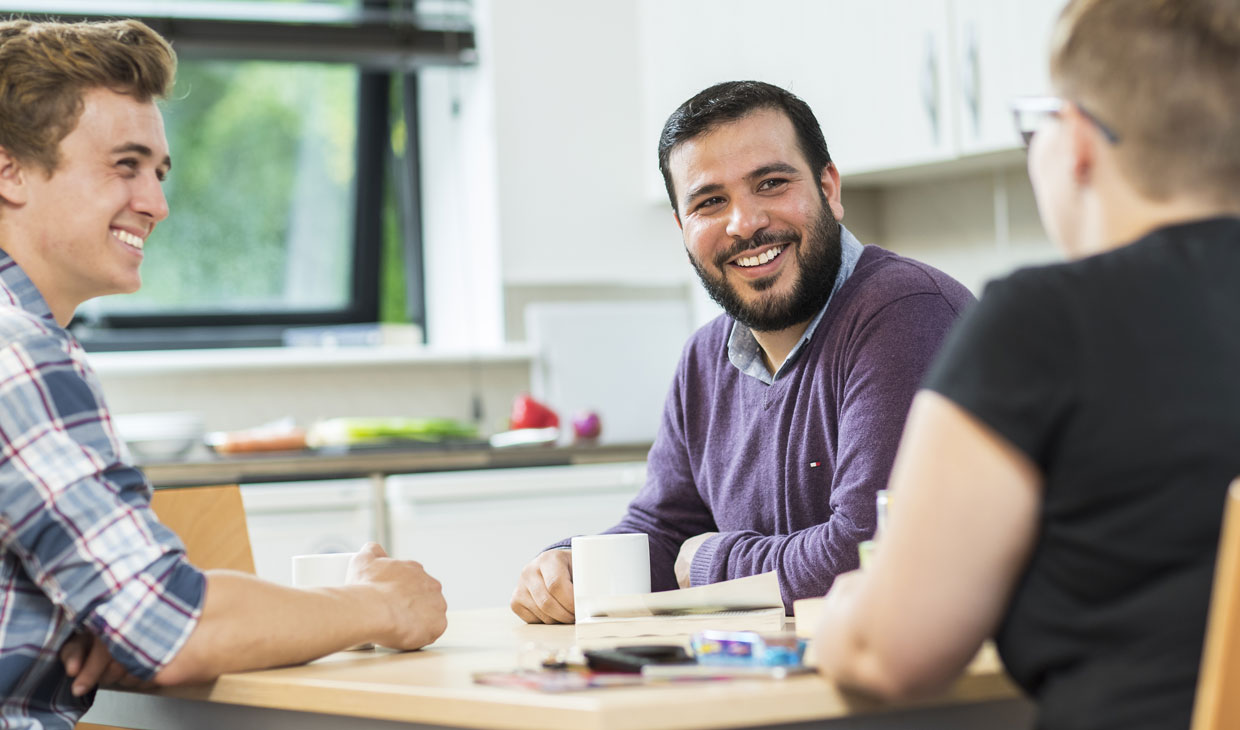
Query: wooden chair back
[(1217, 706), (211, 523)]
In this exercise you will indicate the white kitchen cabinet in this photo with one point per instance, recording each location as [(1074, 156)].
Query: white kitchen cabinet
[(878, 79), (895, 83), (474, 531), (1002, 50), (877, 86)]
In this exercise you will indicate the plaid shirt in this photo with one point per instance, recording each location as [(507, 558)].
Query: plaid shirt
[(80, 546)]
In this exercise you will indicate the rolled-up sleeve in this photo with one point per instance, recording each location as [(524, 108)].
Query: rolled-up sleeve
[(78, 516)]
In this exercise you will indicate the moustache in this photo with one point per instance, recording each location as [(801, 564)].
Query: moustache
[(758, 240)]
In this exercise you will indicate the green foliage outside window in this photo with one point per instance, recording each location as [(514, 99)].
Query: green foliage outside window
[(261, 190)]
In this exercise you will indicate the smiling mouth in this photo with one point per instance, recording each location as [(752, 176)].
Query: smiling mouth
[(762, 258), (128, 238)]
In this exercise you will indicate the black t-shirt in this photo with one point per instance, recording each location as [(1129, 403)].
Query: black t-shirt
[(1119, 376)]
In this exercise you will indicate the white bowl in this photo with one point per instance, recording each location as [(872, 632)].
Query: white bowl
[(160, 436)]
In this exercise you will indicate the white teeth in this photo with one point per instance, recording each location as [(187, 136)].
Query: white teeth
[(127, 237), (760, 259)]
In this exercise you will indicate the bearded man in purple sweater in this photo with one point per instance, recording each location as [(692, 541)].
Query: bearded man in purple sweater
[(785, 413)]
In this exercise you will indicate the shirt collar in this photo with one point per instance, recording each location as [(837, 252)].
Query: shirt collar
[(20, 291), (743, 350)]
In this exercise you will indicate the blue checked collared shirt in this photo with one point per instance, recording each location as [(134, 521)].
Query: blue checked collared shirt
[(81, 549), (744, 351)]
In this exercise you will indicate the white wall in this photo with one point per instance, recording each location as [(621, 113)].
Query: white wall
[(532, 167), (975, 227), (460, 208)]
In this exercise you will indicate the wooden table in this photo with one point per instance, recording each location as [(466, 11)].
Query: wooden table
[(433, 689)]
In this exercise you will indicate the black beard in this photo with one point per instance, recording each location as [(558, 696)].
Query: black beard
[(820, 264)]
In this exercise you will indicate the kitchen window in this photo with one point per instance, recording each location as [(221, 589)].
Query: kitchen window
[(294, 195)]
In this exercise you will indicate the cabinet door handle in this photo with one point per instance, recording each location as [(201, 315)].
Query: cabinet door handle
[(930, 87), (970, 81)]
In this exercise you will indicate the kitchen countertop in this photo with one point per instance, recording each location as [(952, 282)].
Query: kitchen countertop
[(329, 464)]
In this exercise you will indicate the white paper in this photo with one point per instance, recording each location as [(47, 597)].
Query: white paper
[(681, 626), (755, 591)]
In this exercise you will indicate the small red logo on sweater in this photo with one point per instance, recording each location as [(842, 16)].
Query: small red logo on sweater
[(815, 464)]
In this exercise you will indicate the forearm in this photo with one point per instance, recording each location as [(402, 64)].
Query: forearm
[(248, 623), (864, 640), (806, 561), (965, 522), (848, 653)]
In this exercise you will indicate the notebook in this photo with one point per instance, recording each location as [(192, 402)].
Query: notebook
[(753, 603), (680, 626)]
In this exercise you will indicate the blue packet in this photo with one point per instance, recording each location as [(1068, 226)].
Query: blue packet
[(748, 648)]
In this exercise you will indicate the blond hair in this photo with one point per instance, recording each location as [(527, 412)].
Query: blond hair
[(1165, 76), (45, 68)]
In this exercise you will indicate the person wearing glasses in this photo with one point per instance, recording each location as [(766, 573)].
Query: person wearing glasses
[(1061, 480)]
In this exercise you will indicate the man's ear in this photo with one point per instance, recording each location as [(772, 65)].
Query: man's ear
[(1084, 137), (676, 217), (12, 179), (829, 181)]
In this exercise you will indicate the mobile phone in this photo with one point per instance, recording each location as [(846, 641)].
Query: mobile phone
[(631, 659)]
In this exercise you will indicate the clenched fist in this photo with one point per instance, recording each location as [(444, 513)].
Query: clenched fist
[(415, 602)]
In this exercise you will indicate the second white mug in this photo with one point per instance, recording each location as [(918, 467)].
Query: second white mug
[(316, 571), (609, 565)]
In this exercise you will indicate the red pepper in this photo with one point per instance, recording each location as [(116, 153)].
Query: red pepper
[(529, 413)]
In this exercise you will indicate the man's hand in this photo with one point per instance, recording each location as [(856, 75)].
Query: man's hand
[(684, 561), (544, 593), (418, 612), (87, 660)]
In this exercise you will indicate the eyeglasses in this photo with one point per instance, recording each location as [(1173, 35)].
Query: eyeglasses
[(1031, 113)]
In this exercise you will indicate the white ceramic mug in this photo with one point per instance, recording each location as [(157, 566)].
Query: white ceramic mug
[(609, 565), (315, 571)]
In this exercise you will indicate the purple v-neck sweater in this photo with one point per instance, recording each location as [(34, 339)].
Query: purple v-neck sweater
[(787, 472)]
